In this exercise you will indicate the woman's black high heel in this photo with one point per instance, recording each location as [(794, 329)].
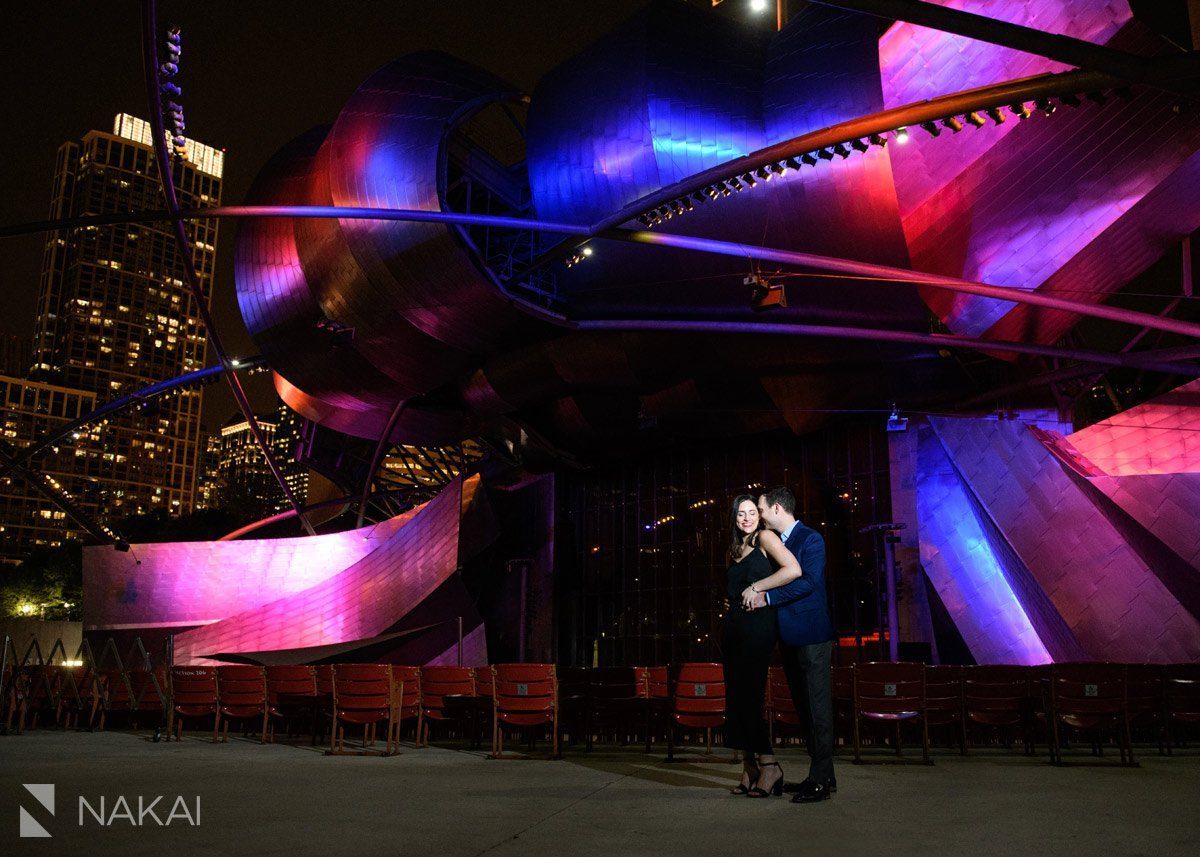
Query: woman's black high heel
[(740, 789), (776, 788)]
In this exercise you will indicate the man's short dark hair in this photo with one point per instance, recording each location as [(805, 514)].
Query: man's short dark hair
[(783, 498)]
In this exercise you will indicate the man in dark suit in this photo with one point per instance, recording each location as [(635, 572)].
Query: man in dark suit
[(805, 637)]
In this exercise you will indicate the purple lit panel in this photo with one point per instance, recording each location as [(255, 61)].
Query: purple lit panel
[(964, 569), (919, 63), (669, 93), (361, 601), (1095, 582)]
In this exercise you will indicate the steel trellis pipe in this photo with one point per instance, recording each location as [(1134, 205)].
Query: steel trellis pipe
[(183, 247)]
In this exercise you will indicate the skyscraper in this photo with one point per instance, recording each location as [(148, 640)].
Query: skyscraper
[(114, 312), (246, 484)]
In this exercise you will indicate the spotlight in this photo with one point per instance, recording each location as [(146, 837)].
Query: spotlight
[(712, 191), (749, 180), (1019, 110), (763, 174), (931, 128), (1046, 106), (587, 251), (953, 123), (809, 159), (901, 135), (778, 169), (793, 163), (825, 155), (764, 295), (860, 145), (677, 206), (725, 191), (1070, 100), (758, 5), (896, 422), (975, 119), (699, 196), (840, 149), (878, 140), (996, 115), (735, 184)]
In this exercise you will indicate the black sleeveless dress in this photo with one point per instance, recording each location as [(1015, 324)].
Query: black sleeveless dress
[(747, 644)]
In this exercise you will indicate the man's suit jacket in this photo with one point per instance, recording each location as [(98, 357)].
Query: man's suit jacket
[(803, 605)]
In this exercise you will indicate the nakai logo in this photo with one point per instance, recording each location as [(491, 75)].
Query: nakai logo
[(135, 811)]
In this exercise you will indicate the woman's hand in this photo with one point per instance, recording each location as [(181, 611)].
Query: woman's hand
[(748, 597)]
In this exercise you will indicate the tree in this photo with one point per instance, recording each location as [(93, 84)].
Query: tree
[(48, 585)]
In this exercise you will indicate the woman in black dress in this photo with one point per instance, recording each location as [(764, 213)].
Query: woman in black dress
[(759, 562)]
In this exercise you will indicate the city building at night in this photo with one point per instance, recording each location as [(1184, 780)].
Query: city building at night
[(114, 316)]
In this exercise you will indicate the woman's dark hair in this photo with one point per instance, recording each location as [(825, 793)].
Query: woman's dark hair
[(736, 535)]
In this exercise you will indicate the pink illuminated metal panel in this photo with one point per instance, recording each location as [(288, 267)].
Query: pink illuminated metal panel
[(191, 583), (361, 601), (919, 63), (1160, 436)]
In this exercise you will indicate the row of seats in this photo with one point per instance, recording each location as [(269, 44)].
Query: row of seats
[(625, 702)]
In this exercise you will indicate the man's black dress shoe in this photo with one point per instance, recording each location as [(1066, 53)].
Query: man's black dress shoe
[(812, 791), (794, 788)]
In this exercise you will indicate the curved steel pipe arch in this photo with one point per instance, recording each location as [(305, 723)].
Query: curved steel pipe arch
[(183, 247)]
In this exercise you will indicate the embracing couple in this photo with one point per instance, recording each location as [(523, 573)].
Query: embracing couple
[(776, 590)]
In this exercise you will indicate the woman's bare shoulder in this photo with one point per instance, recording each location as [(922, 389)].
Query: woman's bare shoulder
[(767, 537)]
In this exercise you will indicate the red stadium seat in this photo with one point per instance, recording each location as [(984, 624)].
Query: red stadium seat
[(526, 696), (193, 694), (697, 703), (366, 694), (440, 684), (242, 695), (890, 693), (291, 691), (1088, 696)]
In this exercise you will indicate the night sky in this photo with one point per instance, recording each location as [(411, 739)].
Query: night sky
[(254, 76)]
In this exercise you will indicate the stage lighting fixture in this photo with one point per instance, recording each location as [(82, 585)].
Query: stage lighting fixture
[(975, 119), (896, 422), (901, 135), (687, 204), (712, 191), (758, 5), (725, 191), (809, 158), (878, 140), (699, 196), (931, 128), (953, 123), (1046, 105), (735, 184), (763, 174), (764, 295), (171, 89), (860, 145), (587, 251), (840, 149), (793, 164), (825, 155), (997, 117), (778, 169), (1019, 109), (1071, 100), (749, 180)]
